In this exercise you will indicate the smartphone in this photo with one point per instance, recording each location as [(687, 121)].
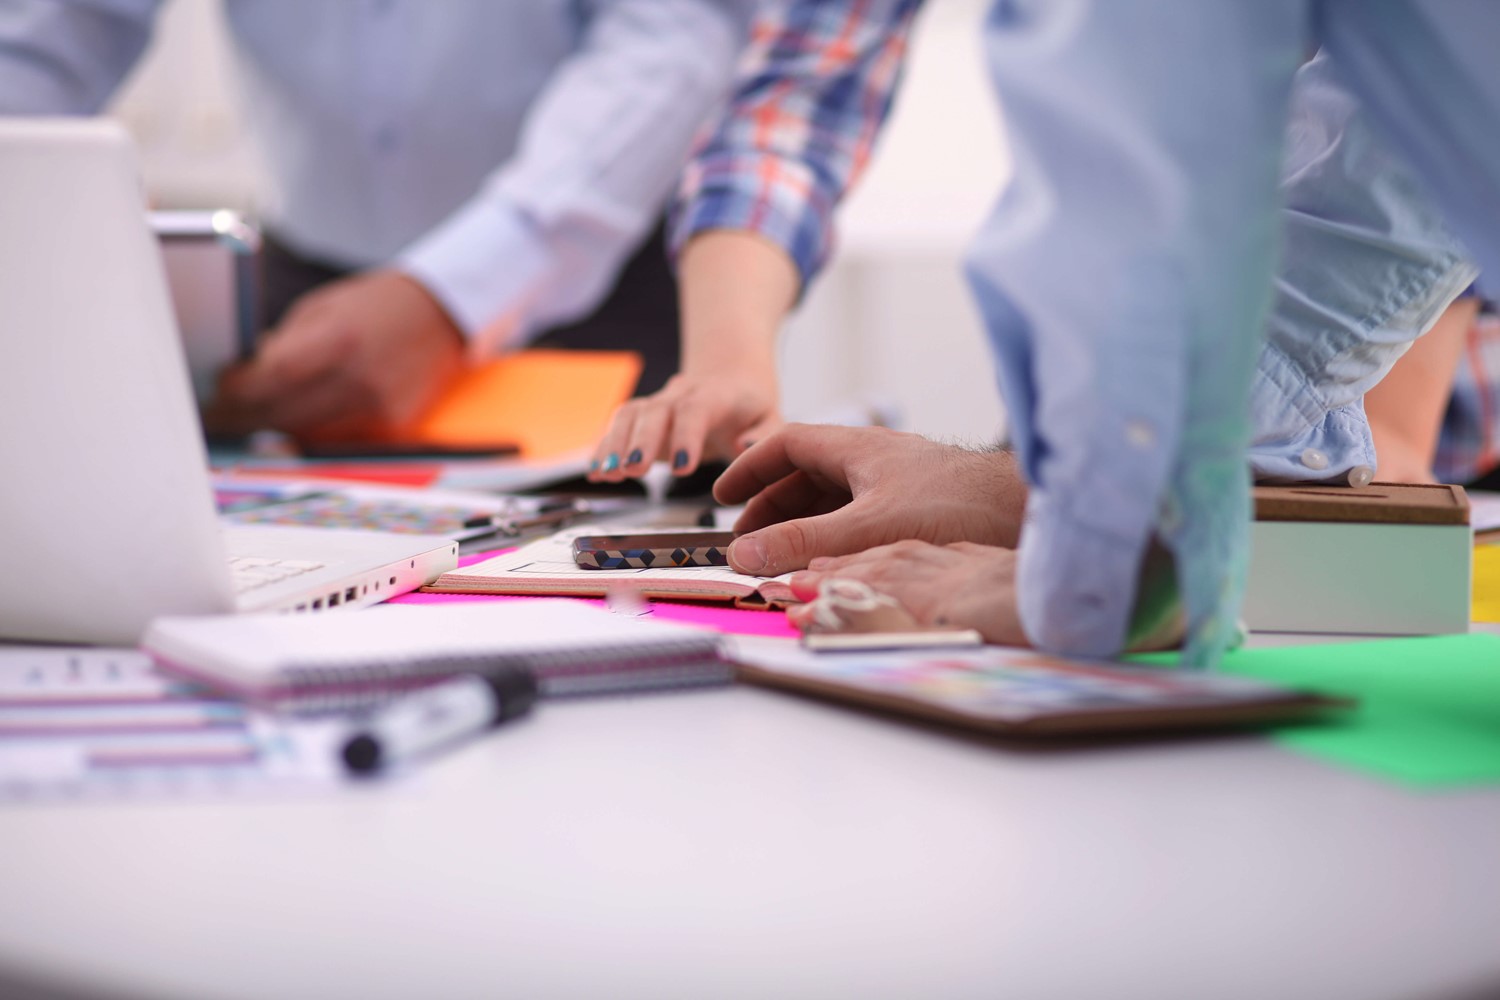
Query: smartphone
[(653, 549)]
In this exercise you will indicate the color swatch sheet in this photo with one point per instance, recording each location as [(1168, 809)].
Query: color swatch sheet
[(1428, 713), (91, 723), (1487, 583)]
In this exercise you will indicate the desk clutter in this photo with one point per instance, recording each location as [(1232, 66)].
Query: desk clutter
[(261, 703), (78, 724)]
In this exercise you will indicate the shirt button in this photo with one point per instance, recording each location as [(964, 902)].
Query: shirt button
[(1140, 434), (1314, 459), (1361, 475)]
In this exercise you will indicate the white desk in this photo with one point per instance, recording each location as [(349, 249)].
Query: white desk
[(738, 842)]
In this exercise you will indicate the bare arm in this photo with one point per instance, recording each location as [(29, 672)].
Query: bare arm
[(1405, 409), (736, 288)]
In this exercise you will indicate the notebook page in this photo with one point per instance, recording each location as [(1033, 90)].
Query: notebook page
[(550, 560)]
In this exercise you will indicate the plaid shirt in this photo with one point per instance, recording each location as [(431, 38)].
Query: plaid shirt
[(815, 88), (1469, 446)]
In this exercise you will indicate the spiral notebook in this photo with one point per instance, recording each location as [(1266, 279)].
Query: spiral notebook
[(345, 660)]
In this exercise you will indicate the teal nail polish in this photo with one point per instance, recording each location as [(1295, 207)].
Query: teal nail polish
[(594, 465), (680, 460), (611, 462)]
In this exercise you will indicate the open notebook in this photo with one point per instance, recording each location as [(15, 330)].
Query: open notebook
[(319, 663), (546, 567)]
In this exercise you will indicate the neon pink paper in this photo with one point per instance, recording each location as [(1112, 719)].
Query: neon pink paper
[(719, 618)]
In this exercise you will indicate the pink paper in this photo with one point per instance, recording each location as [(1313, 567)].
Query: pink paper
[(724, 618)]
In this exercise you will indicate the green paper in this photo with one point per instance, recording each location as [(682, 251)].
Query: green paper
[(1428, 712)]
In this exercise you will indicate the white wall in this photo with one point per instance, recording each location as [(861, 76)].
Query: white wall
[(890, 324)]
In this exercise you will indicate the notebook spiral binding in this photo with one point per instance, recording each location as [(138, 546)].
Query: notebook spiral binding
[(340, 687)]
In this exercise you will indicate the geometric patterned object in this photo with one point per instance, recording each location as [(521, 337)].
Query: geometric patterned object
[(697, 555)]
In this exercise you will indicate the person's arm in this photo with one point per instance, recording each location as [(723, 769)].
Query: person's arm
[(817, 86), (1405, 409), (67, 58), (735, 289), (1368, 266), (601, 148), (541, 244)]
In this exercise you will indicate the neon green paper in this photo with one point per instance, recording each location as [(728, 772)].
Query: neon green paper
[(1429, 707)]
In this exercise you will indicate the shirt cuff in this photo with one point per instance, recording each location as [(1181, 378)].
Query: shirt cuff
[(488, 266), (1075, 584)]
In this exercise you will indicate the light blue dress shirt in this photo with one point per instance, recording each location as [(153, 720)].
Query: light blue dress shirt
[(510, 154), (1126, 274), (1367, 266)]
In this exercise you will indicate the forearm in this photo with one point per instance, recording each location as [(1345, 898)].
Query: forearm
[(736, 289), (1405, 409)]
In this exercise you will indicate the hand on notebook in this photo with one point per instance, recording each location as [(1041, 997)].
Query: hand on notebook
[(694, 416), (961, 585), (360, 354), (828, 491)]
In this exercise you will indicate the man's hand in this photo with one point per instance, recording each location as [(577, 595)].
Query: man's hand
[(829, 491), (962, 585), (354, 357), (693, 417)]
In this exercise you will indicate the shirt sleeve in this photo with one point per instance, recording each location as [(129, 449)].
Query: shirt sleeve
[(1124, 281), (542, 243), (815, 88), (1367, 266), (66, 58)]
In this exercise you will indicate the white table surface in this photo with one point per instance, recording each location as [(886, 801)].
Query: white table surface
[(743, 843)]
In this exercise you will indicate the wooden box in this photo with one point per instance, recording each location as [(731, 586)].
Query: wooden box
[(1384, 559)]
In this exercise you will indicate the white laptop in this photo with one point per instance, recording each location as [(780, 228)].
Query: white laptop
[(107, 517)]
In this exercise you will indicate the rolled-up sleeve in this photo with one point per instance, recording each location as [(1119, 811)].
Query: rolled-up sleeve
[(816, 87), (1124, 282)]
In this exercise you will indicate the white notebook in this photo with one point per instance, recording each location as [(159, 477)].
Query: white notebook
[(326, 662)]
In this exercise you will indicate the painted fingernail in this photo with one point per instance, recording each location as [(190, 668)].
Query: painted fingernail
[(594, 465), (611, 462), (680, 460), (748, 554), (635, 457)]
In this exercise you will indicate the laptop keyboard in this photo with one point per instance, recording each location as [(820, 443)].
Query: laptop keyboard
[(251, 572)]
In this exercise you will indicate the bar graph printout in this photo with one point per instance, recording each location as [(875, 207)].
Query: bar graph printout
[(91, 723)]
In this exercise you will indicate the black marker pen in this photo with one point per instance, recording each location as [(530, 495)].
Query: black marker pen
[(438, 716)]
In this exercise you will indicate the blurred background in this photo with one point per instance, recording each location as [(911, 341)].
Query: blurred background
[(889, 326)]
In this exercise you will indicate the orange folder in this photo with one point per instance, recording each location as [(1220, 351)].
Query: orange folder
[(546, 402)]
